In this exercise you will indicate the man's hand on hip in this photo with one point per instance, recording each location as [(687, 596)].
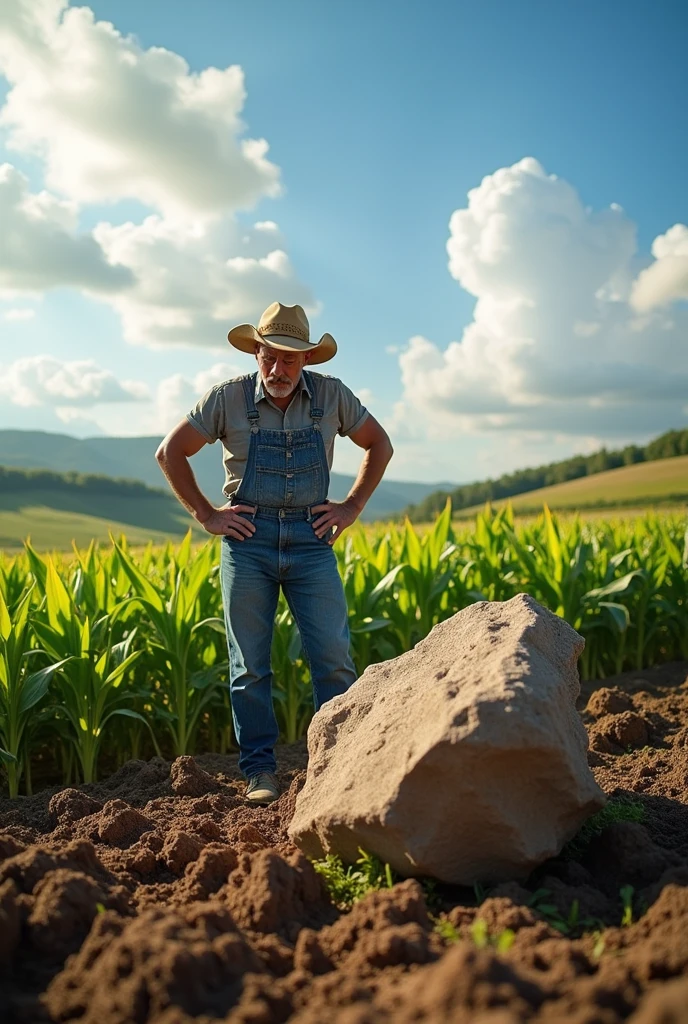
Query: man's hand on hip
[(338, 514), (228, 522)]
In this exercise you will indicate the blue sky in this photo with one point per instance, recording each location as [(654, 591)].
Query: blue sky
[(380, 118)]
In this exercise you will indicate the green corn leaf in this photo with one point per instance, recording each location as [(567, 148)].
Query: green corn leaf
[(621, 556), (618, 586), (37, 566), (619, 613), (60, 608), (207, 677), (115, 676), (5, 621), (294, 650), (141, 585), (385, 584), (36, 685), (213, 623), (412, 548), (554, 542), (369, 625), (6, 757)]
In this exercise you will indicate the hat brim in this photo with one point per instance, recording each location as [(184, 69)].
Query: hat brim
[(245, 337)]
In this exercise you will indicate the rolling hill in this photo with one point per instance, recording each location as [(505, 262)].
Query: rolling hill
[(133, 458), (55, 509), (669, 445), (663, 481)]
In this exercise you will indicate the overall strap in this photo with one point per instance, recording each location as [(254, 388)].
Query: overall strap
[(317, 412), (249, 385)]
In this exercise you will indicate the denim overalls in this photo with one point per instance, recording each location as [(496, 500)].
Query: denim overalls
[(286, 474)]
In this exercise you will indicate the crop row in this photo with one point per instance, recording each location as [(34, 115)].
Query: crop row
[(109, 654)]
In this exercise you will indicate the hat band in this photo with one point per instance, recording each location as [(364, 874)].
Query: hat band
[(288, 329)]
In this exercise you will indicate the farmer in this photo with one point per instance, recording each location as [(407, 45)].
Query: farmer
[(277, 428)]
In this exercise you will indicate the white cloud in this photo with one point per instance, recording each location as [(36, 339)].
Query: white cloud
[(77, 384), (84, 395), (112, 120), (177, 394), (555, 344), (666, 279), (40, 247), (19, 313), (188, 290)]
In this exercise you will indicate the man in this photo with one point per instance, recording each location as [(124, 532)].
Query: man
[(277, 428)]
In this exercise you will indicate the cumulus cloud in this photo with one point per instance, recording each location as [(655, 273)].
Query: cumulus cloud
[(140, 410), (113, 120), (555, 343), (110, 120), (666, 279), (177, 394), (44, 380), (18, 313), (188, 290), (40, 247)]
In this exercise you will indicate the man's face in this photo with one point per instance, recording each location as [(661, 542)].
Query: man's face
[(279, 370)]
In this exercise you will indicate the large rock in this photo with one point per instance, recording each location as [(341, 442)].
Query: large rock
[(464, 759)]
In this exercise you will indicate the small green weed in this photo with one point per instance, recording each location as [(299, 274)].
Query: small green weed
[(479, 933), (570, 924), (599, 947), (433, 900), (480, 892), (619, 809), (347, 886), (626, 894), (446, 929)]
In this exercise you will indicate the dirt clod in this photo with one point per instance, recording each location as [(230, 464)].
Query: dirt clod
[(70, 805), (618, 733), (189, 779)]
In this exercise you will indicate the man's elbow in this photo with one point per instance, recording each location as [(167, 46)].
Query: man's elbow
[(384, 446)]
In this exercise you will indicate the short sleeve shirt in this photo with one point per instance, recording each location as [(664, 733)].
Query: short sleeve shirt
[(221, 415)]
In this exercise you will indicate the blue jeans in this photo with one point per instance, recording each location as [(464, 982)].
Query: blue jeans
[(284, 551)]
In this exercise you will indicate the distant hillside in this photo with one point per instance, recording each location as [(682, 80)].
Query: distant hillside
[(663, 481), (134, 458), (56, 508), (672, 444)]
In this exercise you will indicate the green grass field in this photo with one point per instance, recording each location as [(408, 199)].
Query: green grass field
[(53, 519), (663, 482)]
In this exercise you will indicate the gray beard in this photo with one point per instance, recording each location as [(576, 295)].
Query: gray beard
[(279, 390)]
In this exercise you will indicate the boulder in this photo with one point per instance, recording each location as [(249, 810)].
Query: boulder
[(464, 759)]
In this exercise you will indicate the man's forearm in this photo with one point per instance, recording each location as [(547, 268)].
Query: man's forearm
[(181, 479), (370, 473)]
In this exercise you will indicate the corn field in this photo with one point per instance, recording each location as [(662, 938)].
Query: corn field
[(108, 655)]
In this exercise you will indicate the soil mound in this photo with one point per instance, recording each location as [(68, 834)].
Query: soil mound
[(128, 901)]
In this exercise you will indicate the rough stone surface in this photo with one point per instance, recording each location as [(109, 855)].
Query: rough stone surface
[(464, 759)]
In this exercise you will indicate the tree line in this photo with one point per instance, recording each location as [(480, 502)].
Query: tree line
[(672, 443), (14, 480)]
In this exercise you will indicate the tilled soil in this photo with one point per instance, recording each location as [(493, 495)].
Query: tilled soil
[(159, 896)]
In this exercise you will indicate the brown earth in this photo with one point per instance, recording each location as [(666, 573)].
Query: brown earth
[(159, 896)]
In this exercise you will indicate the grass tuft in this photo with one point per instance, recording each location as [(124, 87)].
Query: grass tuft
[(619, 809), (347, 885)]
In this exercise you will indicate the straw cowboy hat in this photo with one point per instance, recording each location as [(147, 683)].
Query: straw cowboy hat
[(285, 328)]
